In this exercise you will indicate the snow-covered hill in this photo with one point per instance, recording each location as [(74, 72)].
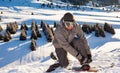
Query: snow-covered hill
[(16, 56)]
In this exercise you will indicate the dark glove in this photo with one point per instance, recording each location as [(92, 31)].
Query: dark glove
[(83, 60), (89, 58), (78, 56)]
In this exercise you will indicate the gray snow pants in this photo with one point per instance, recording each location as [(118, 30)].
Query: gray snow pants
[(62, 54)]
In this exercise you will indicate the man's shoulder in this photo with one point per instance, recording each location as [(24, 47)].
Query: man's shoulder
[(60, 30), (59, 27), (78, 25)]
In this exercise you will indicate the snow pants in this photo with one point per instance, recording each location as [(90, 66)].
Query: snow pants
[(77, 45)]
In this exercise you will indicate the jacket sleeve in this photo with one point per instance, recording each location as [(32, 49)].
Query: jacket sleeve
[(64, 44), (82, 37)]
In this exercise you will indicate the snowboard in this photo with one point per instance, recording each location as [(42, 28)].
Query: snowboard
[(78, 69)]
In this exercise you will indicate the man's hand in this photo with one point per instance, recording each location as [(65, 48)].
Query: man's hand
[(89, 58)]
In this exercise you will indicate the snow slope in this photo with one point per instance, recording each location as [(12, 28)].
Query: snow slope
[(16, 56)]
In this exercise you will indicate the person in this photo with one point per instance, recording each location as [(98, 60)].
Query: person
[(69, 37)]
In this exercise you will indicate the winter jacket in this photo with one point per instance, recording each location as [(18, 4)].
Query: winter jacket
[(63, 38)]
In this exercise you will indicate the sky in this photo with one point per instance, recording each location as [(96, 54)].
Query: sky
[(16, 56)]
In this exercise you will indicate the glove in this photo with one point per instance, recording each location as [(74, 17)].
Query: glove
[(89, 58), (81, 59), (78, 56)]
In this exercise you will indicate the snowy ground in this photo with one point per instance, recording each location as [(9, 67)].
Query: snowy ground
[(16, 56)]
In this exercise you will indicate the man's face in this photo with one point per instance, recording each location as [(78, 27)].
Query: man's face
[(68, 25)]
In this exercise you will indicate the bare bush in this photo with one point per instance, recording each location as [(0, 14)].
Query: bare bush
[(38, 33), (1, 36), (109, 28), (87, 28), (24, 26), (99, 30), (33, 34), (7, 36), (33, 44), (1, 28), (23, 34)]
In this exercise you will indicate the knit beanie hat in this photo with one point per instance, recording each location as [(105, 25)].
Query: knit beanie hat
[(68, 17)]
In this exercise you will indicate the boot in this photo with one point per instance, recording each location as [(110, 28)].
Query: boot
[(53, 67)]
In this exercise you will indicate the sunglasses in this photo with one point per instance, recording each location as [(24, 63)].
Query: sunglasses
[(68, 23)]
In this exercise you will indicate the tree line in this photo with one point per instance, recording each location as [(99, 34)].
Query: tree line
[(77, 2)]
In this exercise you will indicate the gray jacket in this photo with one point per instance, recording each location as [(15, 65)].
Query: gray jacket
[(63, 38)]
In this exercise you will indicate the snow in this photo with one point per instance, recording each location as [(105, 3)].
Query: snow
[(16, 56)]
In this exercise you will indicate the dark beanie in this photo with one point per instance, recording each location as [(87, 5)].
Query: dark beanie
[(68, 17)]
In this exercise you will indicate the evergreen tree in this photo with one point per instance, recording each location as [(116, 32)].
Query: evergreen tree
[(77, 2)]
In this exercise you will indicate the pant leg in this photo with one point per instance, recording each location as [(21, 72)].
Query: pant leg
[(62, 57), (78, 45)]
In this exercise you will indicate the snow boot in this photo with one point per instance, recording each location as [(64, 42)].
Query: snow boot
[(53, 67)]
